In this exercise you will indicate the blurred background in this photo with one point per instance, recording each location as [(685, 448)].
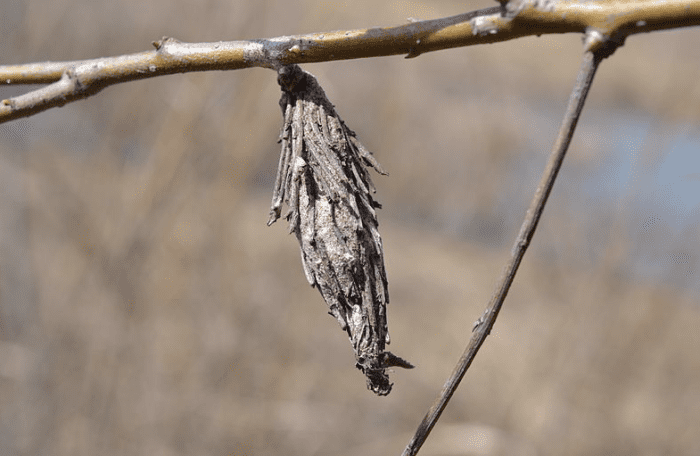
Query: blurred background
[(145, 308)]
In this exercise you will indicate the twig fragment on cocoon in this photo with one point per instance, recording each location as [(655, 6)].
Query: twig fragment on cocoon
[(323, 179)]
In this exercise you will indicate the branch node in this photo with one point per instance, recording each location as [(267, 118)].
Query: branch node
[(486, 25), (602, 44), (413, 52), (159, 43), (514, 7), (162, 44), (70, 78)]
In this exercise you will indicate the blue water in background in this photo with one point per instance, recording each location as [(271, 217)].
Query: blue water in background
[(672, 184), (651, 174)]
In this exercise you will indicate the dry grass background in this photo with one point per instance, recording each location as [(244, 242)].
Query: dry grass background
[(147, 309)]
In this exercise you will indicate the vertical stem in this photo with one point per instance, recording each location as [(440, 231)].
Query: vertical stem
[(483, 326)]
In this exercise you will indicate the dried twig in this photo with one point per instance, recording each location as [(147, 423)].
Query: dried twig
[(597, 48), (323, 179)]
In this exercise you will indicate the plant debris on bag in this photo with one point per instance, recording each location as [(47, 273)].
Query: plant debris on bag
[(323, 179)]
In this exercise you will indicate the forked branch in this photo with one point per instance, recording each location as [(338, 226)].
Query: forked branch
[(70, 81)]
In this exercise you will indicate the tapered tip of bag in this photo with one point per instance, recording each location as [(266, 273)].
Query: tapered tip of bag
[(391, 360)]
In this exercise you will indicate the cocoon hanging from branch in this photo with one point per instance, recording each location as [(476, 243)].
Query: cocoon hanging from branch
[(323, 179)]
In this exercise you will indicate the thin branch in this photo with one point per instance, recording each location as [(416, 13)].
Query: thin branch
[(482, 327), (79, 79)]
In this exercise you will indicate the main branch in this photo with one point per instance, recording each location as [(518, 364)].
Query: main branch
[(70, 81)]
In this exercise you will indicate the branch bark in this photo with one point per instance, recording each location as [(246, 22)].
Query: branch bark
[(70, 81)]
